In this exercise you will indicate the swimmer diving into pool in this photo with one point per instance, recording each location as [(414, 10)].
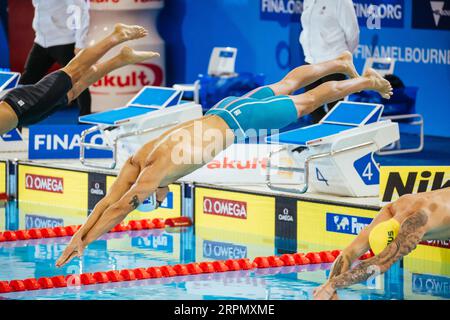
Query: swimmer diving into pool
[(30, 104), (156, 164), (393, 234)]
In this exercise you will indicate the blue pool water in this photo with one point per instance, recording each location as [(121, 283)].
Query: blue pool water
[(34, 259)]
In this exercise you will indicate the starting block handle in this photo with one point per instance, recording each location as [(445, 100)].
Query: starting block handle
[(274, 187), (84, 146)]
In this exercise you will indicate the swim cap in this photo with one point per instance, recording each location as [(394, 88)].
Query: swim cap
[(383, 234)]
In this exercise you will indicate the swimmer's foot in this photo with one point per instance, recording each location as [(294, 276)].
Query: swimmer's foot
[(123, 32), (131, 56), (347, 63), (378, 83)]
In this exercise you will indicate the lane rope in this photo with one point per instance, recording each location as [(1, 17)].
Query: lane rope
[(68, 231), (169, 271)]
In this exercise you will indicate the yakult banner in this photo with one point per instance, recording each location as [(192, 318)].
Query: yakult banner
[(242, 164), (118, 87)]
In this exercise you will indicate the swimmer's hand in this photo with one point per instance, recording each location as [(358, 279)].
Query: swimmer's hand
[(325, 292), (74, 249)]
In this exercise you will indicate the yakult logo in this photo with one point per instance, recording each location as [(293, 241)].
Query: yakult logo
[(44, 183), (227, 163), (129, 80), (223, 207)]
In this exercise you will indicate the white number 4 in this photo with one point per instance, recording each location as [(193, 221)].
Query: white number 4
[(368, 172)]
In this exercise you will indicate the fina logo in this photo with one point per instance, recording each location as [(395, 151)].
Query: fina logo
[(438, 11), (372, 13), (65, 141), (340, 223), (281, 10)]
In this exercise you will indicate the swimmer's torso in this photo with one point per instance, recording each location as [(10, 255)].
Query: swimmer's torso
[(190, 145)]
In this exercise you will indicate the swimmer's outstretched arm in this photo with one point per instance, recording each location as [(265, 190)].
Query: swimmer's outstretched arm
[(148, 181), (360, 245), (121, 185), (357, 248), (411, 233), (116, 206)]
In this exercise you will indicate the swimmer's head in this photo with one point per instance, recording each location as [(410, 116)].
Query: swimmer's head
[(383, 234)]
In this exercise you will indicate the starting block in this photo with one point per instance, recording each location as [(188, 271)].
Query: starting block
[(153, 111), (337, 153), (11, 141)]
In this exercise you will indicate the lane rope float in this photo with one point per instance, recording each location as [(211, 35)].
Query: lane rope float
[(68, 231)]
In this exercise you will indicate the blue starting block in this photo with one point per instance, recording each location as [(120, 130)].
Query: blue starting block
[(337, 153), (150, 113), (8, 80)]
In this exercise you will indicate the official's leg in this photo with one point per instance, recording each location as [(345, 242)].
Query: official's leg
[(63, 55), (38, 63)]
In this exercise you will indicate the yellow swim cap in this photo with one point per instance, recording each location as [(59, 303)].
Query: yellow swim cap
[(383, 234)]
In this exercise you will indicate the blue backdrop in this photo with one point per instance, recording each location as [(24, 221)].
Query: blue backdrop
[(4, 51), (415, 32), (266, 33)]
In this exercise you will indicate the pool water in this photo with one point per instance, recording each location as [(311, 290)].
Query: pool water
[(36, 258)]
